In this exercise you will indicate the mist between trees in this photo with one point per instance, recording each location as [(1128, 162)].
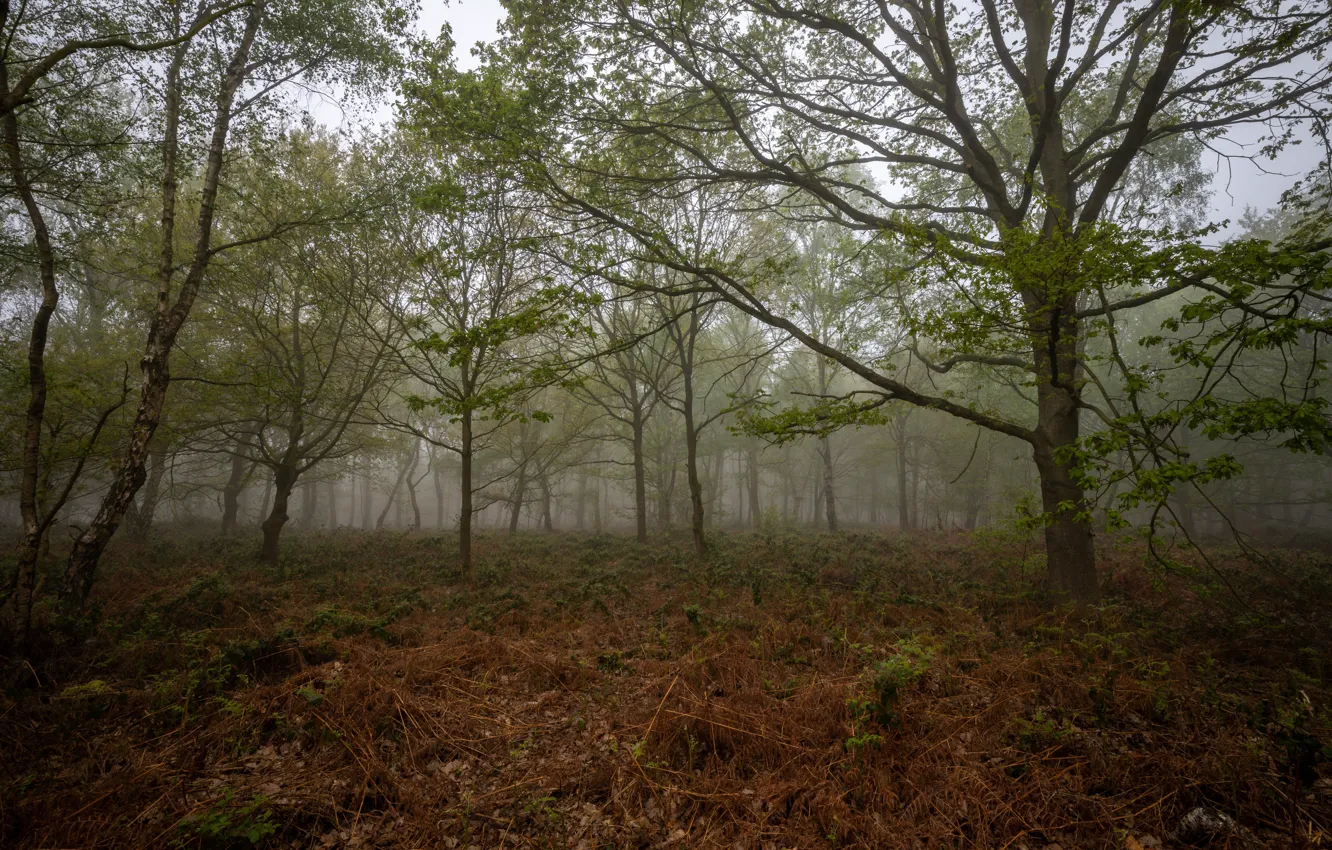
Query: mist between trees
[(656, 266)]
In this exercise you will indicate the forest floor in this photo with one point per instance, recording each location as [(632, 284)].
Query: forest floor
[(798, 691)]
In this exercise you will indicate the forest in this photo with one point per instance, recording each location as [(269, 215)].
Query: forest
[(750, 424)]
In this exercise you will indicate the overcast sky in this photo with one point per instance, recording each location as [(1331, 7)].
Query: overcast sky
[(1237, 183)]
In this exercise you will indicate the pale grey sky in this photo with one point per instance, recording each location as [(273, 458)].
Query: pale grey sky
[(472, 21)]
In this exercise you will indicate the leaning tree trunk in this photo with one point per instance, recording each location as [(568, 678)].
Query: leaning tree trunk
[(168, 318), (284, 481), (393, 494)]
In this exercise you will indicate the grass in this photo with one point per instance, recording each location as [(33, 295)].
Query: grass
[(796, 690)]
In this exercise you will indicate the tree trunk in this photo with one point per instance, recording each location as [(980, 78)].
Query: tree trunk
[(516, 503), (412, 482), (695, 485), (1069, 543), (903, 497), (596, 507), (580, 511), (755, 509), (284, 481), (547, 521), (367, 496), (829, 500), (168, 318), (393, 494), (231, 495), (268, 498), (465, 496), (309, 503), (915, 486), (640, 479), (438, 478), (416, 505), (34, 525), (874, 497), (143, 513), (332, 505)]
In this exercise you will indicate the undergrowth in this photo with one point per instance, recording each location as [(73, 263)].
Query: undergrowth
[(791, 690)]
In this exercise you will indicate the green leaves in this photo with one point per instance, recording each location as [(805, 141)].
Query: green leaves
[(820, 419)]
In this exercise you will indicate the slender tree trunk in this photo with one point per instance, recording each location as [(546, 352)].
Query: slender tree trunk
[(465, 496), (816, 499), (874, 497), (915, 486), (684, 343), (397, 485), (309, 503), (416, 505), (974, 499), (715, 488), (640, 479), (146, 510), (695, 485), (168, 318), (352, 484), (367, 496), (755, 509), (596, 507), (580, 510), (547, 521), (284, 481), (332, 505), (412, 482), (903, 496), (439, 494), (34, 525), (829, 500)]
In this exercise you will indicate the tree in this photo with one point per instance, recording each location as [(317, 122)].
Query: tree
[(707, 375), (261, 47), (481, 322), (1006, 208), (305, 313), (59, 126), (625, 380)]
